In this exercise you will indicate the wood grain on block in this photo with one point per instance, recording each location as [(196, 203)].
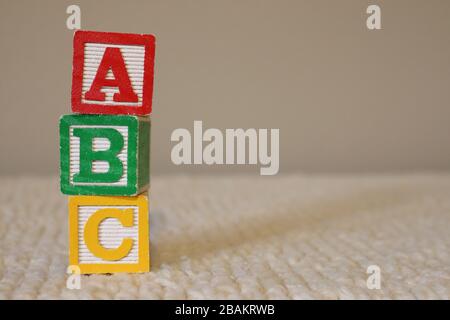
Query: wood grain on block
[(109, 234), (112, 73), (104, 155)]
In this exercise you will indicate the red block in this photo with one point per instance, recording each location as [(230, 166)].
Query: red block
[(112, 73)]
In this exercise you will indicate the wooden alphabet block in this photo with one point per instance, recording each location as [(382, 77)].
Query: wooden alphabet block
[(104, 154), (112, 73), (109, 234)]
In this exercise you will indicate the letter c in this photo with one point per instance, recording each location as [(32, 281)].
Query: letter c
[(91, 233)]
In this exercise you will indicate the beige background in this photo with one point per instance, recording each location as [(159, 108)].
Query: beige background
[(345, 98)]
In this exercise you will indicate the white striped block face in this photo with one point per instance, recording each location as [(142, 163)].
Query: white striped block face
[(112, 73), (98, 166), (133, 57), (109, 234)]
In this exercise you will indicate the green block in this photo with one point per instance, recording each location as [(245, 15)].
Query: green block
[(104, 154)]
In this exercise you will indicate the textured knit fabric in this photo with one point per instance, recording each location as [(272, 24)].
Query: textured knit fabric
[(246, 237)]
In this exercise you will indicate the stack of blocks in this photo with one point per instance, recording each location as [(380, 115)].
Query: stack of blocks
[(105, 152)]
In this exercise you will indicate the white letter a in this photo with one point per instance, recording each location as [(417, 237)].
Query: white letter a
[(374, 20), (74, 20)]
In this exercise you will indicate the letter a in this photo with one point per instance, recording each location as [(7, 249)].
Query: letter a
[(112, 59), (373, 21), (73, 22)]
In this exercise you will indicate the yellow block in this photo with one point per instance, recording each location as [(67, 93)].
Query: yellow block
[(109, 234)]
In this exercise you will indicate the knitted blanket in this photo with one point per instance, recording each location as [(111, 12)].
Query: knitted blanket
[(246, 237)]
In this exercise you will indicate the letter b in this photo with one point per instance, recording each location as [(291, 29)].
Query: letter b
[(88, 155)]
